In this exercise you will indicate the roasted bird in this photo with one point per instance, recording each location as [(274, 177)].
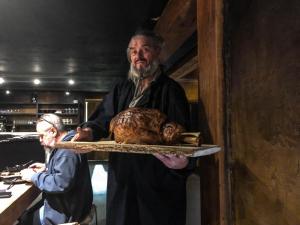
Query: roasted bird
[(144, 126)]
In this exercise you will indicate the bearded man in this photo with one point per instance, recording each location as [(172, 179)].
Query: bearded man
[(143, 189), (64, 179)]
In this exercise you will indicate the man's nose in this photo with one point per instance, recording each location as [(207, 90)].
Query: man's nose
[(140, 54), (41, 140)]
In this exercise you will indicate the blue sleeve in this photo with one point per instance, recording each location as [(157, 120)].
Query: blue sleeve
[(62, 177)]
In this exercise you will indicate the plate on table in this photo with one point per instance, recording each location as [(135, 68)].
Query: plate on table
[(12, 178), (10, 175), (14, 181)]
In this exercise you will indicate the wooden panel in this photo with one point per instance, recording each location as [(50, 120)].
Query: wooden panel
[(210, 36), (265, 112), (210, 64), (209, 176), (176, 24)]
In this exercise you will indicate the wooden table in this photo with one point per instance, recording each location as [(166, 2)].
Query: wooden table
[(12, 208)]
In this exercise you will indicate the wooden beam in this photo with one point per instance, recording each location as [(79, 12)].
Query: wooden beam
[(177, 23), (185, 69), (210, 37)]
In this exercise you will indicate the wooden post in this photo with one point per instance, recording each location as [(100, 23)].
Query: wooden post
[(210, 37)]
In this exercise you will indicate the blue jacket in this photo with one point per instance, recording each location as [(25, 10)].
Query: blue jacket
[(66, 186)]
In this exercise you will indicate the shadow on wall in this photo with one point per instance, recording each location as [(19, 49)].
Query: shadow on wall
[(199, 121)]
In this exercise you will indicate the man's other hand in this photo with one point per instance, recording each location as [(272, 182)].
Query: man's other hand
[(38, 167), (26, 174), (83, 134), (173, 161)]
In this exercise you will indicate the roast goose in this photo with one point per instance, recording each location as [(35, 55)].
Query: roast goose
[(144, 126)]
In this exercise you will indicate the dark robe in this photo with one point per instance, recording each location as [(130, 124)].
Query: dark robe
[(141, 189)]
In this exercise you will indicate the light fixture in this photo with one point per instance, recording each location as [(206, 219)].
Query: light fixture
[(71, 82), (36, 68), (67, 93), (36, 81), (1, 80), (71, 70), (7, 92), (71, 65)]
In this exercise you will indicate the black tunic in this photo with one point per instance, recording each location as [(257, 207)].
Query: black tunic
[(141, 189)]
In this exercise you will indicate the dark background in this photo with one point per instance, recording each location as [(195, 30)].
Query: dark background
[(55, 40)]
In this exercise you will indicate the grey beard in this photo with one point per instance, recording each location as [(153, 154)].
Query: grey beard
[(48, 152), (135, 74), (47, 149)]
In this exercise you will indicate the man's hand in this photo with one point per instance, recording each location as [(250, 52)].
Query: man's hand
[(173, 161), (38, 167), (83, 134), (26, 174)]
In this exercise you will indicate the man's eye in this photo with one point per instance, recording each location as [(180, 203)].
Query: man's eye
[(133, 52), (146, 49)]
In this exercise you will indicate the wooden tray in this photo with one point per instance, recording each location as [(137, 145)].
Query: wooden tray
[(112, 146)]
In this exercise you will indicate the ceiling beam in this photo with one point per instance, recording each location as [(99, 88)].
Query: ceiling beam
[(176, 24), (185, 69)]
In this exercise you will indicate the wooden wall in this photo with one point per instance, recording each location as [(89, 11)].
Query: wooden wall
[(176, 24), (201, 75), (264, 65), (211, 92)]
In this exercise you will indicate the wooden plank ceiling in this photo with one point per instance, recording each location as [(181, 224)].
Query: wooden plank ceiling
[(56, 40)]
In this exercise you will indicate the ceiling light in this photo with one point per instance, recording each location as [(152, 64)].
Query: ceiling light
[(1, 80), (71, 82), (71, 70), (36, 68), (7, 92), (2, 68), (36, 81), (71, 65), (67, 93)]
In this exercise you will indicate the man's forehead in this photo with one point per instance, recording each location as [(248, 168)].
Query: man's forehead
[(140, 40), (43, 126)]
